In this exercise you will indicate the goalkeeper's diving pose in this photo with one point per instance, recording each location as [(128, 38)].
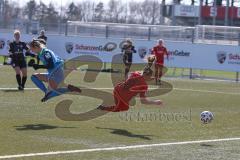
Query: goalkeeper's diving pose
[(55, 71), (134, 85)]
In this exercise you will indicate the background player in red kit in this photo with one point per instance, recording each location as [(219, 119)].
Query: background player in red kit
[(159, 51), (125, 91)]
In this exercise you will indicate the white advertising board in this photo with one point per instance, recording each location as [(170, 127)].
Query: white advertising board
[(186, 11), (216, 57), (70, 47), (181, 54)]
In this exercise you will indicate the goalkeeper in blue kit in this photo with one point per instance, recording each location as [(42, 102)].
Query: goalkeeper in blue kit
[(55, 71)]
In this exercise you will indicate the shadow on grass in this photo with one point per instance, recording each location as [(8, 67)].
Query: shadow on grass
[(37, 127), (206, 145), (123, 132), (11, 90)]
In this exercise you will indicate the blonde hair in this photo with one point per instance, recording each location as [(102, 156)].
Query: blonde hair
[(128, 40), (42, 31), (16, 32), (160, 40)]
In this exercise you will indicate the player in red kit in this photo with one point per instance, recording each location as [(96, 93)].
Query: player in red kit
[(125, 91), (159, 51)]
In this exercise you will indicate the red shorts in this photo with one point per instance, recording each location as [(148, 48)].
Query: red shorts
[(120, 104)]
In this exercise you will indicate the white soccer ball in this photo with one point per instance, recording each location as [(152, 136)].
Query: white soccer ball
[(206, 117)]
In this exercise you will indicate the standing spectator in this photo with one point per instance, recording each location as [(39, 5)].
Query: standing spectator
[(42, 36), (18, 60), (127, 49), (159, 51)]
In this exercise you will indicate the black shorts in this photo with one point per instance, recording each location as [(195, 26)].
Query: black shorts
[(127, 59), (21, 64)]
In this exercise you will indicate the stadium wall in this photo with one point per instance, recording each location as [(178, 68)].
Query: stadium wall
[(181, 54)]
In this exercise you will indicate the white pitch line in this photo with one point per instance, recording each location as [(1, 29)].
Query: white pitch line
[(115, 148), (17, 89), (180, 89), (206, 91)]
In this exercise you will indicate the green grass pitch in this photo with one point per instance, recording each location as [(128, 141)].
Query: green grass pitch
[(29, 126)]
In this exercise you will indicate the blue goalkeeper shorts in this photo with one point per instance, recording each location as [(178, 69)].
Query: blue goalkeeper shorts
[(56, 74)]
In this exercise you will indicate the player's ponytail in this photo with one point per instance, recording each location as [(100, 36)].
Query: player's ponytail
[(37, 43), (42, 41)]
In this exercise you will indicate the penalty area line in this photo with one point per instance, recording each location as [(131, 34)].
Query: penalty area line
[(116, 148)]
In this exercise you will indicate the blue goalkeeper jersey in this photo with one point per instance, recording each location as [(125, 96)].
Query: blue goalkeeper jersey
[(50, 59)]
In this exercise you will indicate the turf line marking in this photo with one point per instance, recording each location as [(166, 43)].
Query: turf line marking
[(17, 89), (115, 148), (180, 89), (205, 91)]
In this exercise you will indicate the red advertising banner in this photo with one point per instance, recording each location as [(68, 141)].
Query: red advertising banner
[(233, 12)]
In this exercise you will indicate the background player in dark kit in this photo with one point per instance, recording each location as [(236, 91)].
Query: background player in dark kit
[(18, 60)]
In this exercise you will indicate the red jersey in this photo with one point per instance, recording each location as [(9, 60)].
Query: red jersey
[(159, 52), (134, 85)]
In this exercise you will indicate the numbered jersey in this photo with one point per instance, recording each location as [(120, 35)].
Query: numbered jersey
[(48, 58)]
